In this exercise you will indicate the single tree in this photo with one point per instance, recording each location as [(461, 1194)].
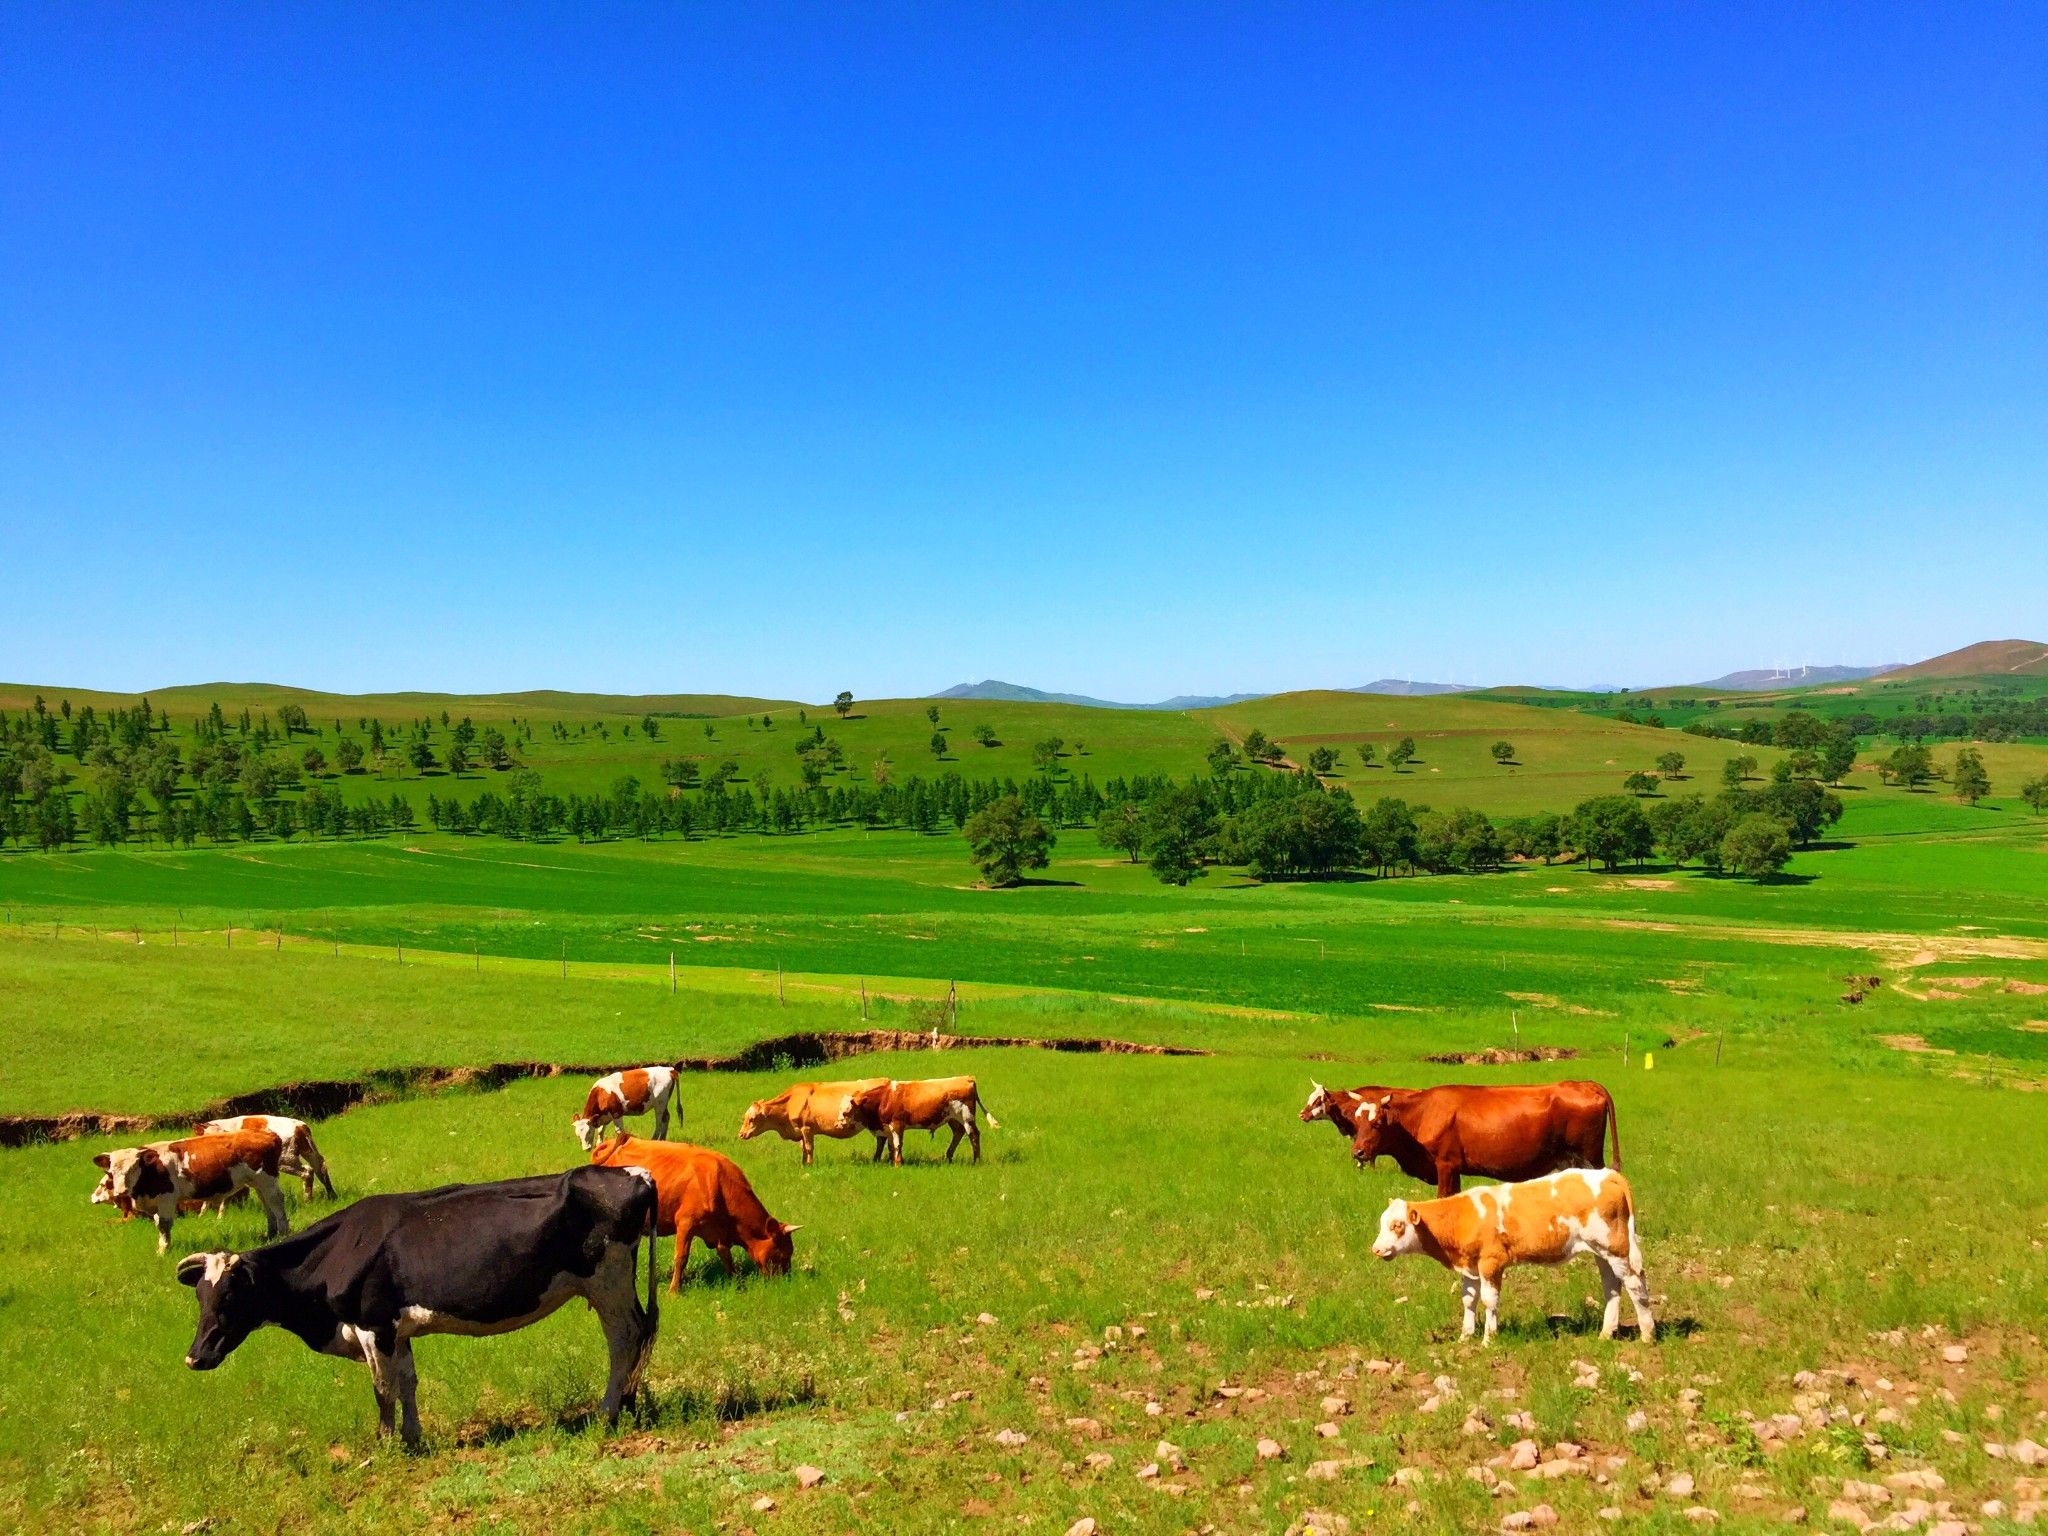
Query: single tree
[(420, 755), (1503, 752), (1005, 840), (1756, 846), (1222, 758), (1045, 755), (1402, 753), (1971, 782), (1322, 760), (1640, 783), (2035, 793), (1736, 771), (1122, 827), (1180, 830), (931, 713), (649, 727), (1366, 753), (842, 702), (315, 761), (986, 735), (1837, 755), (1671, 764), (938, 744)]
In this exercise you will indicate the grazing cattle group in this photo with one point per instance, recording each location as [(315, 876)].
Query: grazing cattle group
[(477, 1259)]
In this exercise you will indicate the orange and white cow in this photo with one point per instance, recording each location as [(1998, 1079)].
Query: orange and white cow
[(804, 1111), (634, 1091), (1485, 1231), (301, 1160), (156, 1178), (925, 1105), (702, 1196)]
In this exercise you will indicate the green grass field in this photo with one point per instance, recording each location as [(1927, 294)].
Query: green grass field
[(1805, 1170)]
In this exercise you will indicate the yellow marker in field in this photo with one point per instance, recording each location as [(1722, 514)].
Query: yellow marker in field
[(1649, 1061)]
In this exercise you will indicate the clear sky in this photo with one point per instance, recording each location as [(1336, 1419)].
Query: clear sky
[(1101, 348)]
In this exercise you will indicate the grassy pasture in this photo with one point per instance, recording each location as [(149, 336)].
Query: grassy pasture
[(1813, 1202)]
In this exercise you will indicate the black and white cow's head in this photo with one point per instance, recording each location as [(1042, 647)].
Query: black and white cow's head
[(228, 1307)]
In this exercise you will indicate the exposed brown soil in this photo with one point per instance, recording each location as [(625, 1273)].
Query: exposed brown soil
[(323, 1099), (1495, 1056)]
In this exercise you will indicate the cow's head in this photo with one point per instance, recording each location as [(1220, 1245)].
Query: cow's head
[(1398, 1233), (121, 1172), (755, 1120), (228, 1307), (1369, 1124), (1318, 1105), (774, 1253), (587, 1132)]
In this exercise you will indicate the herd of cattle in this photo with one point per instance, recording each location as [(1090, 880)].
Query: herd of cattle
[(477, 1259)]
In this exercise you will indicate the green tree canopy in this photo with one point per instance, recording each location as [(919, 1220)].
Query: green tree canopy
[(1005, 840)]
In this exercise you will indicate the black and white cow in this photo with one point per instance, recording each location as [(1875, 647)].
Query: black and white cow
[(469, 1258)]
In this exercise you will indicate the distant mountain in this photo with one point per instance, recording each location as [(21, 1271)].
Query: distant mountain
[(1406, 689), (1987, 658), (1764, 679), (1017, 693)]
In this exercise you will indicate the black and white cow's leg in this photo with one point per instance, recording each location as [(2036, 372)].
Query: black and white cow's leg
[(384, 1384), (973, 1129), (165, 1215), (628, 1327), (405, 1383), (881, 1145)]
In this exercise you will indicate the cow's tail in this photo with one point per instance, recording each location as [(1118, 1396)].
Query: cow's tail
[(653, 1258), (1614, 1134), (981, 1106)]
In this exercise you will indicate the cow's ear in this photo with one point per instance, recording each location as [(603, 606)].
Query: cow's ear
[(103, 1162), (190, 1268)]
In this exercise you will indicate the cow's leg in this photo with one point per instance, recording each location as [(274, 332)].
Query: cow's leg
[(954, 1145), (724, 1252), (1610, 1282), (275, 1222), (974, 1135), (881, 1145), (628, 1328), (384, 1383), (661, 1118), (405, 1382), (804, 1141), (166, 1216), (1489, 1298), (1468, 1291), (1447, 1180), (1638, 1299), (896, 1145), (319, 1166), (684, 1236)]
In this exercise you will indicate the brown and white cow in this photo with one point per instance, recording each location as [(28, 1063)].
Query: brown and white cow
[(158, 1177), (925, 1105), (634, 1091), (1483, 1232), (301, 1160), (805, 1111), (702, 1195), (1442, 1135)]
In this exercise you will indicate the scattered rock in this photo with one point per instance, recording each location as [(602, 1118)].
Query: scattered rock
[(763, 1505), (808, 1476), (1092, 1428), (1608, 1512), (1955, 1354), (1148, 1471), (1699, 1514), (1845, 1513), (1920, 1480), (1328, 1429), (1271, 1450), (1336, 1407), (1010, 1437), (1523, 1455), (2027, 1453), (1679, 1485), (1865, 1493), (1325, 1471), (1320, 1522), (1171, 1455), (1098, 1461), (1638, 1421), (1541, 1518), (1153, 1410), (1409, 1477), (1085, 1526), (986, 1319)]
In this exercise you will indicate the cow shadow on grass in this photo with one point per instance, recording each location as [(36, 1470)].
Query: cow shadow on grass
[(1586, 1325), (729, 1403)]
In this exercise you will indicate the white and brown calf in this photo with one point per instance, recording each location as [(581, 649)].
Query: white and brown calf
[(301, 1160), (635, 1091), (159, 1177), (1483, 1232)]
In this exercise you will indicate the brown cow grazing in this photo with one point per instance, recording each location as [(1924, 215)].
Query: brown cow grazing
[(1496, 1131), (925, 1106), (163, 1174), (301, 1159), (703, 1195), (635, 1091), (804, 1111), (1483, 1232)]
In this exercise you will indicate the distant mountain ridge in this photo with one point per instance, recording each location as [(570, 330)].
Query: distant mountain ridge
[(1987, 658), (1763, 679), (1017, 693)]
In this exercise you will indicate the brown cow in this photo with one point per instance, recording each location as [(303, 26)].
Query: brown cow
[(301, 1158), (702, 1194), (925, 1106), (166, 1173), (804, 1111), (1493, 1131)]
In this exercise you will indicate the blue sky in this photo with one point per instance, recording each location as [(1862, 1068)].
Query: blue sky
[(1103, 348)]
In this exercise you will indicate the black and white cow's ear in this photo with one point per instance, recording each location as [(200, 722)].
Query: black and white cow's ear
[(190, 1268), (104, 1161)]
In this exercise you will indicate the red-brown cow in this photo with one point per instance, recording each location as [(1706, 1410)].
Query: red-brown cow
[(924, 1105), (301, 1160), (1508, 1131), (703, 1195)]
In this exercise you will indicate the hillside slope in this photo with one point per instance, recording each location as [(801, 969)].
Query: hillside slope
[(1987, 658)]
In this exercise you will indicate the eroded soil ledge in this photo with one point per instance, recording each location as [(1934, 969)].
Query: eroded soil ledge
[(321, 1099)]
